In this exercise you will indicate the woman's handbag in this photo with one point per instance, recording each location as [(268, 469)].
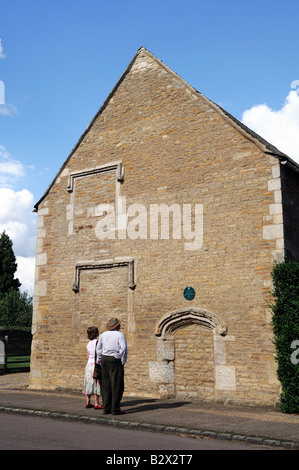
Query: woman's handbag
[(97, 372)]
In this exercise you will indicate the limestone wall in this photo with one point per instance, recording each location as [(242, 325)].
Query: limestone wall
[(157, 141)]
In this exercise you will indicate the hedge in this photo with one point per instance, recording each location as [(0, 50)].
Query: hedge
[(286, 332), (19, 340)]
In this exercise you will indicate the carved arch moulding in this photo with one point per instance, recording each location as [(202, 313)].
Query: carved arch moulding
[(172, 321)]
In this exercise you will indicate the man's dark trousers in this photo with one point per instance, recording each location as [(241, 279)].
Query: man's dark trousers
[(112, 384)]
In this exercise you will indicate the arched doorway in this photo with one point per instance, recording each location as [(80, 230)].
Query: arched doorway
[(190, 347), (194, 375)]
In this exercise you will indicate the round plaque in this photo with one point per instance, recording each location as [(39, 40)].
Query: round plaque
[(189, 293)]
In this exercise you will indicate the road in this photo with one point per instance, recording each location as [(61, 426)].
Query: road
[(23, 432)]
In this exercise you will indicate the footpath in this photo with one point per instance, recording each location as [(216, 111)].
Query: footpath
[(255, 425)]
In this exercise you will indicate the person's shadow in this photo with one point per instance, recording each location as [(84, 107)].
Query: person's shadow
[(150, 404)]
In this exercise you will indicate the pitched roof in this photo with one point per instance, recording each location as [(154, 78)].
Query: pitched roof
[(265, 146)]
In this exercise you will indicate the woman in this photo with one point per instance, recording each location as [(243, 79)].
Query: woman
[(91, 386)]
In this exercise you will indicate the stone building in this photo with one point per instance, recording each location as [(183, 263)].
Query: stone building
[(168, 214)]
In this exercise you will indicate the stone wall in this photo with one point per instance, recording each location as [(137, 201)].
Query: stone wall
[(157, 141)]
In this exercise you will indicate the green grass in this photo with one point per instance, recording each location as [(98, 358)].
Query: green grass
[(18, 363)]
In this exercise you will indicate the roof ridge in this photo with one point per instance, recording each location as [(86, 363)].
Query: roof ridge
[(264, 146)]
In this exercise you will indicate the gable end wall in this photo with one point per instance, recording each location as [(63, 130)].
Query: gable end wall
[(173, 149)]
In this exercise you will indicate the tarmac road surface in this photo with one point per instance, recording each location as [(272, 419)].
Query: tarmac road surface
[(211, 425), (19, 432)]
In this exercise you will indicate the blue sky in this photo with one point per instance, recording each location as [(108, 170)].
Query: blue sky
[(59, 59)]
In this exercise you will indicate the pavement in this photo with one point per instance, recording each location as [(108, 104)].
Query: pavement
[(263, 426)]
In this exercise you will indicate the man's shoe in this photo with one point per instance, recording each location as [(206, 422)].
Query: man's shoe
[(119, 412)]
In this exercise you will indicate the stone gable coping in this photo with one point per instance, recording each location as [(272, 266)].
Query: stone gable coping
[(142, 54)]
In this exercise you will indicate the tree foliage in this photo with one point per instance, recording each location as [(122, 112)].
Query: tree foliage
[(8, 266), (16, 310), (15, 306)]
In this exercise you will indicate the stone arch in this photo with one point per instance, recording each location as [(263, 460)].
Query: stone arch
[(162, 372), (172, 321)]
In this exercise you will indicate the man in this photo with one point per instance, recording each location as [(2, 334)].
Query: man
[(112, 354)]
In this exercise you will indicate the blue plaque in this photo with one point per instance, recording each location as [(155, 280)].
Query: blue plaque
[(189, 293)]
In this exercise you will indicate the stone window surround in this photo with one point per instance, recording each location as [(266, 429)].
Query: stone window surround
[(112, 166), (118, 166), (105, 264)]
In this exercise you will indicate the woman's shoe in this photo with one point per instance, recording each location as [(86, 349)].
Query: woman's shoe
[(89, 405), (99, 407)]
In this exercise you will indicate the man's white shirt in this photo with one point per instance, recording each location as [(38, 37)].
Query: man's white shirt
[(112, 343)]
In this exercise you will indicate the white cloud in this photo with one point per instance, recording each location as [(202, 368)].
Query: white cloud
[(8, 109), (17, 218), (1, 50), (10, 169), (19, 222), (25, 273), (280, 128)]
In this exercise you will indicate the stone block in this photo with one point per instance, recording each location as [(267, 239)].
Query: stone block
[(160, 372)]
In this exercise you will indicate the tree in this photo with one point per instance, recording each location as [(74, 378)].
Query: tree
[(16, 310), (15, 306), (8, 266)]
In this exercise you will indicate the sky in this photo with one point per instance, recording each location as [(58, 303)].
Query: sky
[(59, 60)]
